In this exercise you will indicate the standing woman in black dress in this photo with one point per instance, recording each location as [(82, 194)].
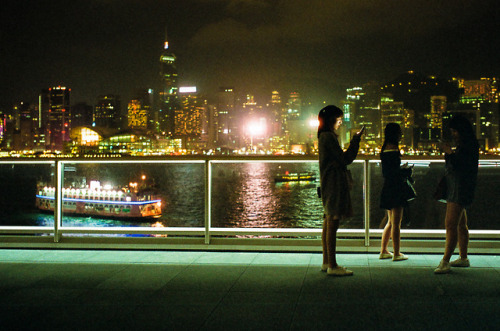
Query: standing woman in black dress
[(392, 197), (335, 183), (461, 177)]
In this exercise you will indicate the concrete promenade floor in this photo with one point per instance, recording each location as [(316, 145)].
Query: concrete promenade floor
[(192, 290)]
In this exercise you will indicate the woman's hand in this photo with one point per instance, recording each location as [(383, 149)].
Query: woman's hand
[(361, 131)]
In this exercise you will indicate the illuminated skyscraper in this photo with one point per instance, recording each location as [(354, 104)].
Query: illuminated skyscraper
[(2, 126), (55, 115), (484, 90), (482, 96), (168, 91), (107, 112), (191, 118), (137, 115), (438, 107), (276, 110), (394, 112), (225, 117), (362, 107), (294, 106)]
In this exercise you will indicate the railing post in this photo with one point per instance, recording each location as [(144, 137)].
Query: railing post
[(59, 172), (208, 200), (366, 200)]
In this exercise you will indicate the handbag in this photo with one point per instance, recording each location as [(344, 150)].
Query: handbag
[(441, 190)]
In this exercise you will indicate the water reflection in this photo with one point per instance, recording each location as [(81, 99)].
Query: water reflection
[(255, 197), (246, 195)]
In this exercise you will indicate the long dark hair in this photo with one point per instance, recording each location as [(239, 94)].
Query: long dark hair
[(327, 116), (392, 135), (464, 128)]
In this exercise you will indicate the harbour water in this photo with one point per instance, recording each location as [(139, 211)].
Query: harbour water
[(243, 195)]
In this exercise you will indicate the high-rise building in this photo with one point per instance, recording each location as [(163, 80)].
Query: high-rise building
[(191, 119), (107, 112), (137, 115), (2, 127), (168, 94), (352, 106), (482, 96), (225, 117), (23, 135), (362, 108), (438, 108), (394, 112), (56, 117), (484, 90), (294, 106), (276, 112), (81, 114)]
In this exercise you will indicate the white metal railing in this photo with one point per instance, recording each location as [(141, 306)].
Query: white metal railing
[(207, 232)]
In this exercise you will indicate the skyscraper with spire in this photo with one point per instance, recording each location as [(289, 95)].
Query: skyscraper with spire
[(169, 101)]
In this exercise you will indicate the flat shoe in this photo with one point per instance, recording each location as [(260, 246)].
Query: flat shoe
[(401, 257), (324, 267), (339, 271), (443, 268), (463, 263), (384, 256)]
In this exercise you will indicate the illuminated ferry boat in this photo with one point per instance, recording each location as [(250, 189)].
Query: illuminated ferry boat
[(295, 177), (127, 202)]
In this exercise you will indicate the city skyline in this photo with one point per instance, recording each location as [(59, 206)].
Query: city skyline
[(110, 47)]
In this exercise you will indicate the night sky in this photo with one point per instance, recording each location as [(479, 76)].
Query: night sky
[(316, 47)]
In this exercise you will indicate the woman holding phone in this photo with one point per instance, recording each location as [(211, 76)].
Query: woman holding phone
[(461, 177), (335, 183), (392, 197)]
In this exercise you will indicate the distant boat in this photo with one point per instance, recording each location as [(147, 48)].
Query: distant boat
[(127, 202), (295, 177)]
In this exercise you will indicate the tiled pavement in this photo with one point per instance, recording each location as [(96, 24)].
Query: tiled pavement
[(192, 290)]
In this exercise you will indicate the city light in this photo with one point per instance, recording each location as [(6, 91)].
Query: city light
[(256, 128), (313, 123), (187, 89)]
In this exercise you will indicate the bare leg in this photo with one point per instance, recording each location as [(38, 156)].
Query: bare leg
[(384, 220), (453, 215), (463, 235), (332, 225), (386, 236), (396, 215)]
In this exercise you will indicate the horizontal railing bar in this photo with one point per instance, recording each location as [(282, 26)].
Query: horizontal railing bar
[(69, 161), (279, 231), (26, 229), (133, 230), (27, 162), (493, 234)]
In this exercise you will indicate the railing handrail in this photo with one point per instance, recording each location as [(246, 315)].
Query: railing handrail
[(198, 157)]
